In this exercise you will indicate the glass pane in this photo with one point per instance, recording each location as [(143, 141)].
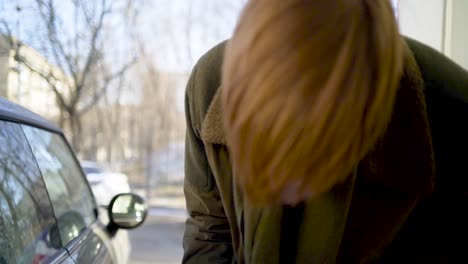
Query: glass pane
[(68, 191), (26, 217)]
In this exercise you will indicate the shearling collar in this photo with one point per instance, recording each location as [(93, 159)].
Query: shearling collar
[(212, 127)]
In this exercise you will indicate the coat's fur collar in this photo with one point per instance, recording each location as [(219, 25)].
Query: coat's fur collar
[(212, 128)]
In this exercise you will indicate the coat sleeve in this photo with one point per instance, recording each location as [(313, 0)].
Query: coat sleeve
[(447, 104), (207, 237)]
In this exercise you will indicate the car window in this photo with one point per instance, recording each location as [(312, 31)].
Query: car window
[(26, 216), (69, 193)]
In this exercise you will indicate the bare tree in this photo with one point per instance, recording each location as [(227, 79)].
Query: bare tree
[(109, 122), (154, 110), (79, 51)]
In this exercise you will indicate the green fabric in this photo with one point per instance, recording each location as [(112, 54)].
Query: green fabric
[(207, 237), (222, 229), (439, 72)]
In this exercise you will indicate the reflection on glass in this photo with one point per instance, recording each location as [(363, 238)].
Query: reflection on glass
[(68, 190), (128, 210), (26, 216), (123, 204), (70, 225)]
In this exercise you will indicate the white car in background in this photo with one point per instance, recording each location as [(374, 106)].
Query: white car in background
[(105, 184)]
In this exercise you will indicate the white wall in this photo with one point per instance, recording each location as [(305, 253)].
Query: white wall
[(442, 24), (423, 20), (457, 31)]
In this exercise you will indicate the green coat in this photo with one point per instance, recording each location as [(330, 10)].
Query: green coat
[(406, 202)]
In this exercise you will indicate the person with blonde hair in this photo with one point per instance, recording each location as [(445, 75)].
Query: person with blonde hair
[(319, 134)]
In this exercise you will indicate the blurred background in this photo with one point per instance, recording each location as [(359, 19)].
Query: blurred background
[(112, 74)]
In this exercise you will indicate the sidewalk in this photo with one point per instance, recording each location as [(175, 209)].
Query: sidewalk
[(165, 201), (159, 240)]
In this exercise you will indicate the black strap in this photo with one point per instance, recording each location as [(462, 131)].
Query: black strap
[(290, 226)]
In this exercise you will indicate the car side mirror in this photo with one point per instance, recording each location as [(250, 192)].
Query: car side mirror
[(126, 211)]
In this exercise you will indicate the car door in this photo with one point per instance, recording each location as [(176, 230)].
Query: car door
[(27, 222), (71, 198)]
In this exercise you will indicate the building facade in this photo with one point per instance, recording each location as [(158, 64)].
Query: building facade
[(21, 80)]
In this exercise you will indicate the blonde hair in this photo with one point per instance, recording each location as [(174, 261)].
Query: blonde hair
[(308, 87)]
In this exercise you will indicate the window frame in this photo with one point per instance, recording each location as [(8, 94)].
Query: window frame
[(67, 148), (22, 123), (94, 230), (75, 160), (61, 252)]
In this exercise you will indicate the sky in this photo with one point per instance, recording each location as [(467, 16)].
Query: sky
[(209, 21), (161, 25), (174, 33)]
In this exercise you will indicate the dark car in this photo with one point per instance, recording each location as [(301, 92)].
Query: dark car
[(47, 211)]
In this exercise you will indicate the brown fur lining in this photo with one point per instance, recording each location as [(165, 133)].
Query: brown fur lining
[(212, 127)]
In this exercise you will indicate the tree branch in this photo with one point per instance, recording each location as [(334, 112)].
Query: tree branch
[(107, 81), (61, 56), (50, 78), (5, 30), (93, 43)]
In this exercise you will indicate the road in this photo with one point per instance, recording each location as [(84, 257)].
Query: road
[(159, 239)]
